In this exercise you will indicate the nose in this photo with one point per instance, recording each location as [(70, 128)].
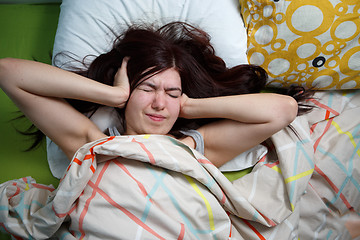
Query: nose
[(159, 101)]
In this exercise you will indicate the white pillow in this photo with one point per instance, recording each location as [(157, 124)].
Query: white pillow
[(86, 27)]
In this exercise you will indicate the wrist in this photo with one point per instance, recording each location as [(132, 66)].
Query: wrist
[(118, 97), (190, 108)]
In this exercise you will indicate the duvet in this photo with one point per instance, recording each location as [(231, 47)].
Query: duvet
[(154, 187)]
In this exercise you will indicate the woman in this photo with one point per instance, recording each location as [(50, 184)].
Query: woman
[(161, 81)]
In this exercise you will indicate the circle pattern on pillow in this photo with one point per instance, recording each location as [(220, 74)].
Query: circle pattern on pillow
[(305, 42)]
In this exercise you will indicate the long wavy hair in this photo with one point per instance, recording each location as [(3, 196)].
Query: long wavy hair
[(187, 49)]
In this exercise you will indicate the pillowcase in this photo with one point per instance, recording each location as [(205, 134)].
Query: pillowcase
[(304, 42), (86, 27)]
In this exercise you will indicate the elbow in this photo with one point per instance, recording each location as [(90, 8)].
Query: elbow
[(293, 108), (287, 111), (5, 62), (5, 68)]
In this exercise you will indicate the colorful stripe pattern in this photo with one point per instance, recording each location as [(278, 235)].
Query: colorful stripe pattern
[(154, 187)]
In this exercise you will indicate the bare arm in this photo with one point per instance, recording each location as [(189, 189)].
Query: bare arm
[(249, 120), (38, 90)]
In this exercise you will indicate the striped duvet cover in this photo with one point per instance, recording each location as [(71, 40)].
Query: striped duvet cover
[(154, 187)]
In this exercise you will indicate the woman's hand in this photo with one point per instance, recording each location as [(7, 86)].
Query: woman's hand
[(244, 121), (121, 81), (183, 103)]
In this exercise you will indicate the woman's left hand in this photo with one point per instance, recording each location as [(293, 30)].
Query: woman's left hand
[(184, 100)]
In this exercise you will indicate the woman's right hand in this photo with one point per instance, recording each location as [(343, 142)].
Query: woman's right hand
[(121, 81)]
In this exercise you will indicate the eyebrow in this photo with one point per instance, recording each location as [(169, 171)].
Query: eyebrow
[(166, 89)]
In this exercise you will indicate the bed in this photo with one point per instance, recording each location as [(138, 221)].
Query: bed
[(299, 187)]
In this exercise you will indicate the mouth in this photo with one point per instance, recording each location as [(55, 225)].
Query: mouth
[(156, 117)]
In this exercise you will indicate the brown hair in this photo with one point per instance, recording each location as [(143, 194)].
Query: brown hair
[(175, 45)]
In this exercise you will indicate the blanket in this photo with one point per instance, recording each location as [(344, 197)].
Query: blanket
[(155, 187)]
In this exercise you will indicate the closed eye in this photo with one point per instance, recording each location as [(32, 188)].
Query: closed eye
[(146, 87), (174, 94)]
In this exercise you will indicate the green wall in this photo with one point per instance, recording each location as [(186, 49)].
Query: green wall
[(26, 31)]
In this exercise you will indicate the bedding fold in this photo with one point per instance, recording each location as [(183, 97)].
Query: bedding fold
[(155, 187)]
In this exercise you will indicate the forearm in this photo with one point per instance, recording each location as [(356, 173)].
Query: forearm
[(37, 90), (49, 81), (247, 108)]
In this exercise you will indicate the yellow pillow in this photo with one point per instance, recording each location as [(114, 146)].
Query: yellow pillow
[(305, 42)]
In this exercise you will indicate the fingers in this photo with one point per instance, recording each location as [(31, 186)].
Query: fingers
[(183, 112), (121, 77), (123, 67), (125, 62), (121, 83)]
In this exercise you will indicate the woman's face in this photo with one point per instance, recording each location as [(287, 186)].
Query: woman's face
[(154, 105)]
